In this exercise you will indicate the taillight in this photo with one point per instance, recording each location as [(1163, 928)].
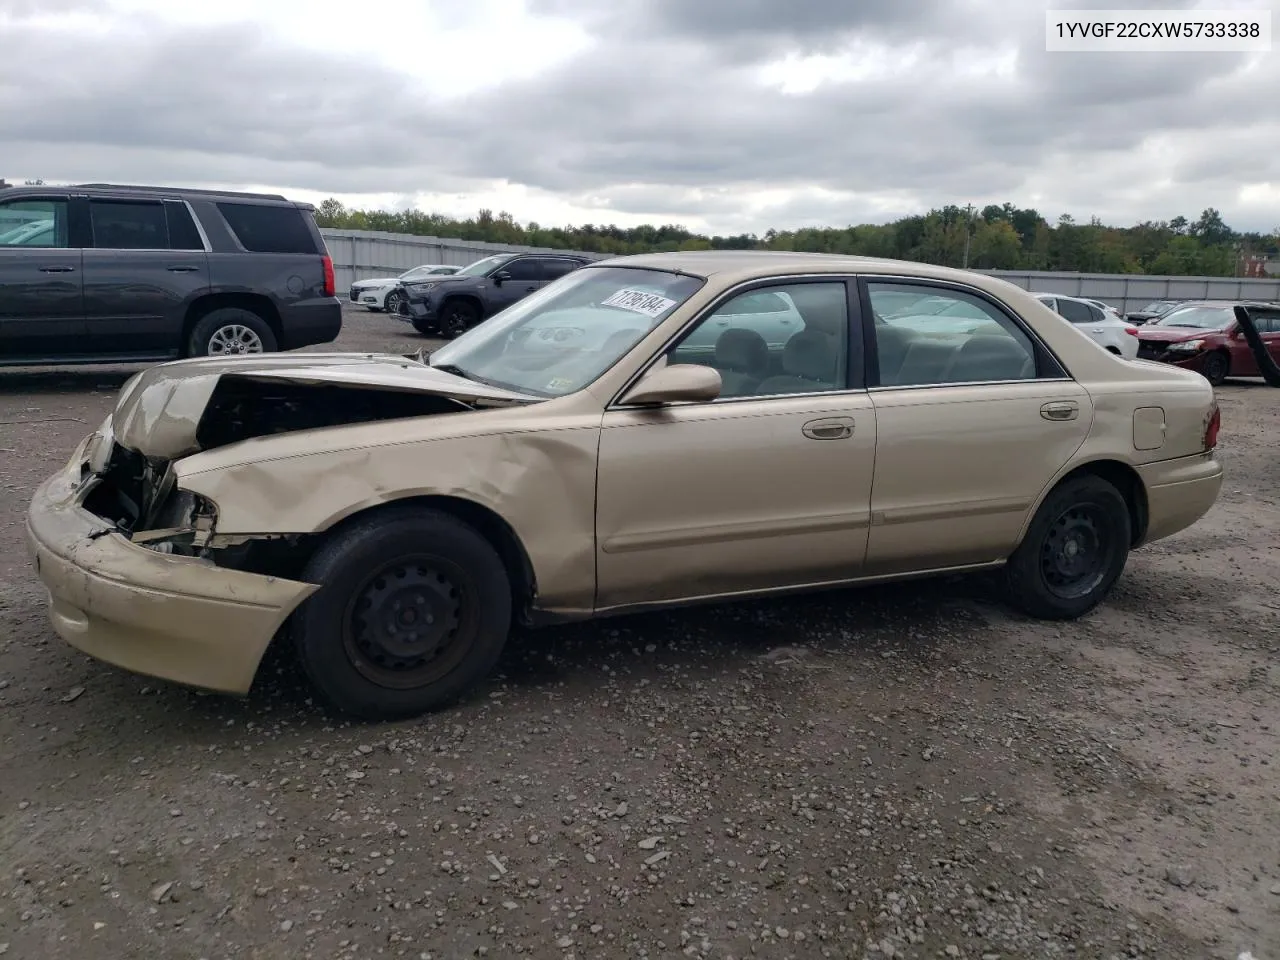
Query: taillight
[(330, 282), (1131, 331), (1211, 431)]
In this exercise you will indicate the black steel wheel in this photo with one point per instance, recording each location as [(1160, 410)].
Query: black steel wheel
[(414, 610), (1217, 366), (1074, 550)]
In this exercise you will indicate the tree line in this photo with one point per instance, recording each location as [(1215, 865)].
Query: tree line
[(1003, 237)]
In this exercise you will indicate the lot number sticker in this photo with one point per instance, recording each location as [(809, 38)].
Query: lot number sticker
[(638, 301)]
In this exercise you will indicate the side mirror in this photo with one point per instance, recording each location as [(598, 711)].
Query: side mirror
[(501, 275), (675, 383)]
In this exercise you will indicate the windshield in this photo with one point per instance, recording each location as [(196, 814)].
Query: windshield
[(1155, 306), (418, 272), (481, 267), (1200, 318), (561, 338)]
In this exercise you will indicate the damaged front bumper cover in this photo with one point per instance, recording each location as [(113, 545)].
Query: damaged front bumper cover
[(178, 618)]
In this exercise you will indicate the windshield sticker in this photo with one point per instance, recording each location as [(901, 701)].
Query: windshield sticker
[(559, 384), (638, 301)]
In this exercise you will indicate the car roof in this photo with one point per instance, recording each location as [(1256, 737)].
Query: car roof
[(740, 265), (118, 188)]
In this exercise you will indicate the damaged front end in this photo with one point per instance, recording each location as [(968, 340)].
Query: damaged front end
[(128, 467)]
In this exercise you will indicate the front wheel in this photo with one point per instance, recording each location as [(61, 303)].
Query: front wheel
[(457, 317), (1216, 367), (413, 611), (1073, 553), (392, 303)]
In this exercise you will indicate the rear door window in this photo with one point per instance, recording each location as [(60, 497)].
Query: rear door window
[(128, 225), (264, 228), (1075, 311), (183, 234)]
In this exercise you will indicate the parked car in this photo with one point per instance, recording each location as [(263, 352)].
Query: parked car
[(572, 458), (1152, 311), (1107, 328), (1106, 308), (449, 306), (1204, 336), (379, 293), (102, 273)]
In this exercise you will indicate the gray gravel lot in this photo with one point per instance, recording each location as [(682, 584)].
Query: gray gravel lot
[(910, 771)]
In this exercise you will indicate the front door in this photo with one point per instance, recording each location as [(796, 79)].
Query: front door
[(138, 282), (766, 487), (973, 427), (524, 277), (41, 280)]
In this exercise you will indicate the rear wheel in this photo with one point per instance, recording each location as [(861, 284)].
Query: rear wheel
[(1216, 367), (228, 331), (1074, 551), (457, 316), (414, 610)]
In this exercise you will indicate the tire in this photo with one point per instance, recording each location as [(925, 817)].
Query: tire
[(1216, 367), (392, 303), (1090, 513), (400, 564), (426, 328), (457, 316), (220, 330)]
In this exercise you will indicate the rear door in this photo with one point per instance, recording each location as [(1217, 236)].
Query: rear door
[(41, 279), (146, 264), (971, 428)]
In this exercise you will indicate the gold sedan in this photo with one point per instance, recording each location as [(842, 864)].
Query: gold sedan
[(644, 432)]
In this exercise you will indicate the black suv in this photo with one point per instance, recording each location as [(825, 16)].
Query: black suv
[(99, 273), (448, 306)]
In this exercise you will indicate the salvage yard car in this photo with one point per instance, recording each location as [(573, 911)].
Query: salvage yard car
[(381, 293), (1204, 336), (115, 273), (570, 458)]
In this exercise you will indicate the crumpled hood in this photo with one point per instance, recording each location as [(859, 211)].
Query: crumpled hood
[(158, 411)]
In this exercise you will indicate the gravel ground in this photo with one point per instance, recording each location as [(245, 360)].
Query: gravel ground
[(893, 772)]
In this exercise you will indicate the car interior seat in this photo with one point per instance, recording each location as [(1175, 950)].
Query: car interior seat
[(742, 357)]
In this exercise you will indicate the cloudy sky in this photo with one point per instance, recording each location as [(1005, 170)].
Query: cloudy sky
[(723, 115)]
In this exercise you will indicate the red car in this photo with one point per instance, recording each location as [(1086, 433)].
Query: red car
[(1203, 336)]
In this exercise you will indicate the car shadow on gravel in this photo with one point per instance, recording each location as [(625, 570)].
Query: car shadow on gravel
[(851, 626)]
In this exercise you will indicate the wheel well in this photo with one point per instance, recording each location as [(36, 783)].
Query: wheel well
[(253, 302), (491, 526), (469, 297), (1115, 350), (1125, 479)]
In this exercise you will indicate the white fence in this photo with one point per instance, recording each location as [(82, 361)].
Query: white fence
[(359, 254)]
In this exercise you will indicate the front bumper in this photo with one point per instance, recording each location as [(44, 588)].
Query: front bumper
[(177, 618), (1160, 352)]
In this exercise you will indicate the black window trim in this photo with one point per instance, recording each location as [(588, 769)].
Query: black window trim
[(51, 197), (1049, 369), (855, 360)]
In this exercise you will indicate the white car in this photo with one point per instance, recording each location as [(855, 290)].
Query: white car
[(1106, 328), (1106, 308), (375, 292)]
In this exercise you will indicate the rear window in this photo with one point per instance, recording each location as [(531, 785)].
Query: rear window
[(269, 229)]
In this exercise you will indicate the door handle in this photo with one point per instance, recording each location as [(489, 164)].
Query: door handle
[(182, 268), (831, 428), (1060, 410), (58, 269)]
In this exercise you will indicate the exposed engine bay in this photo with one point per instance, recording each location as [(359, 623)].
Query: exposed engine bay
[(137, 494)]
